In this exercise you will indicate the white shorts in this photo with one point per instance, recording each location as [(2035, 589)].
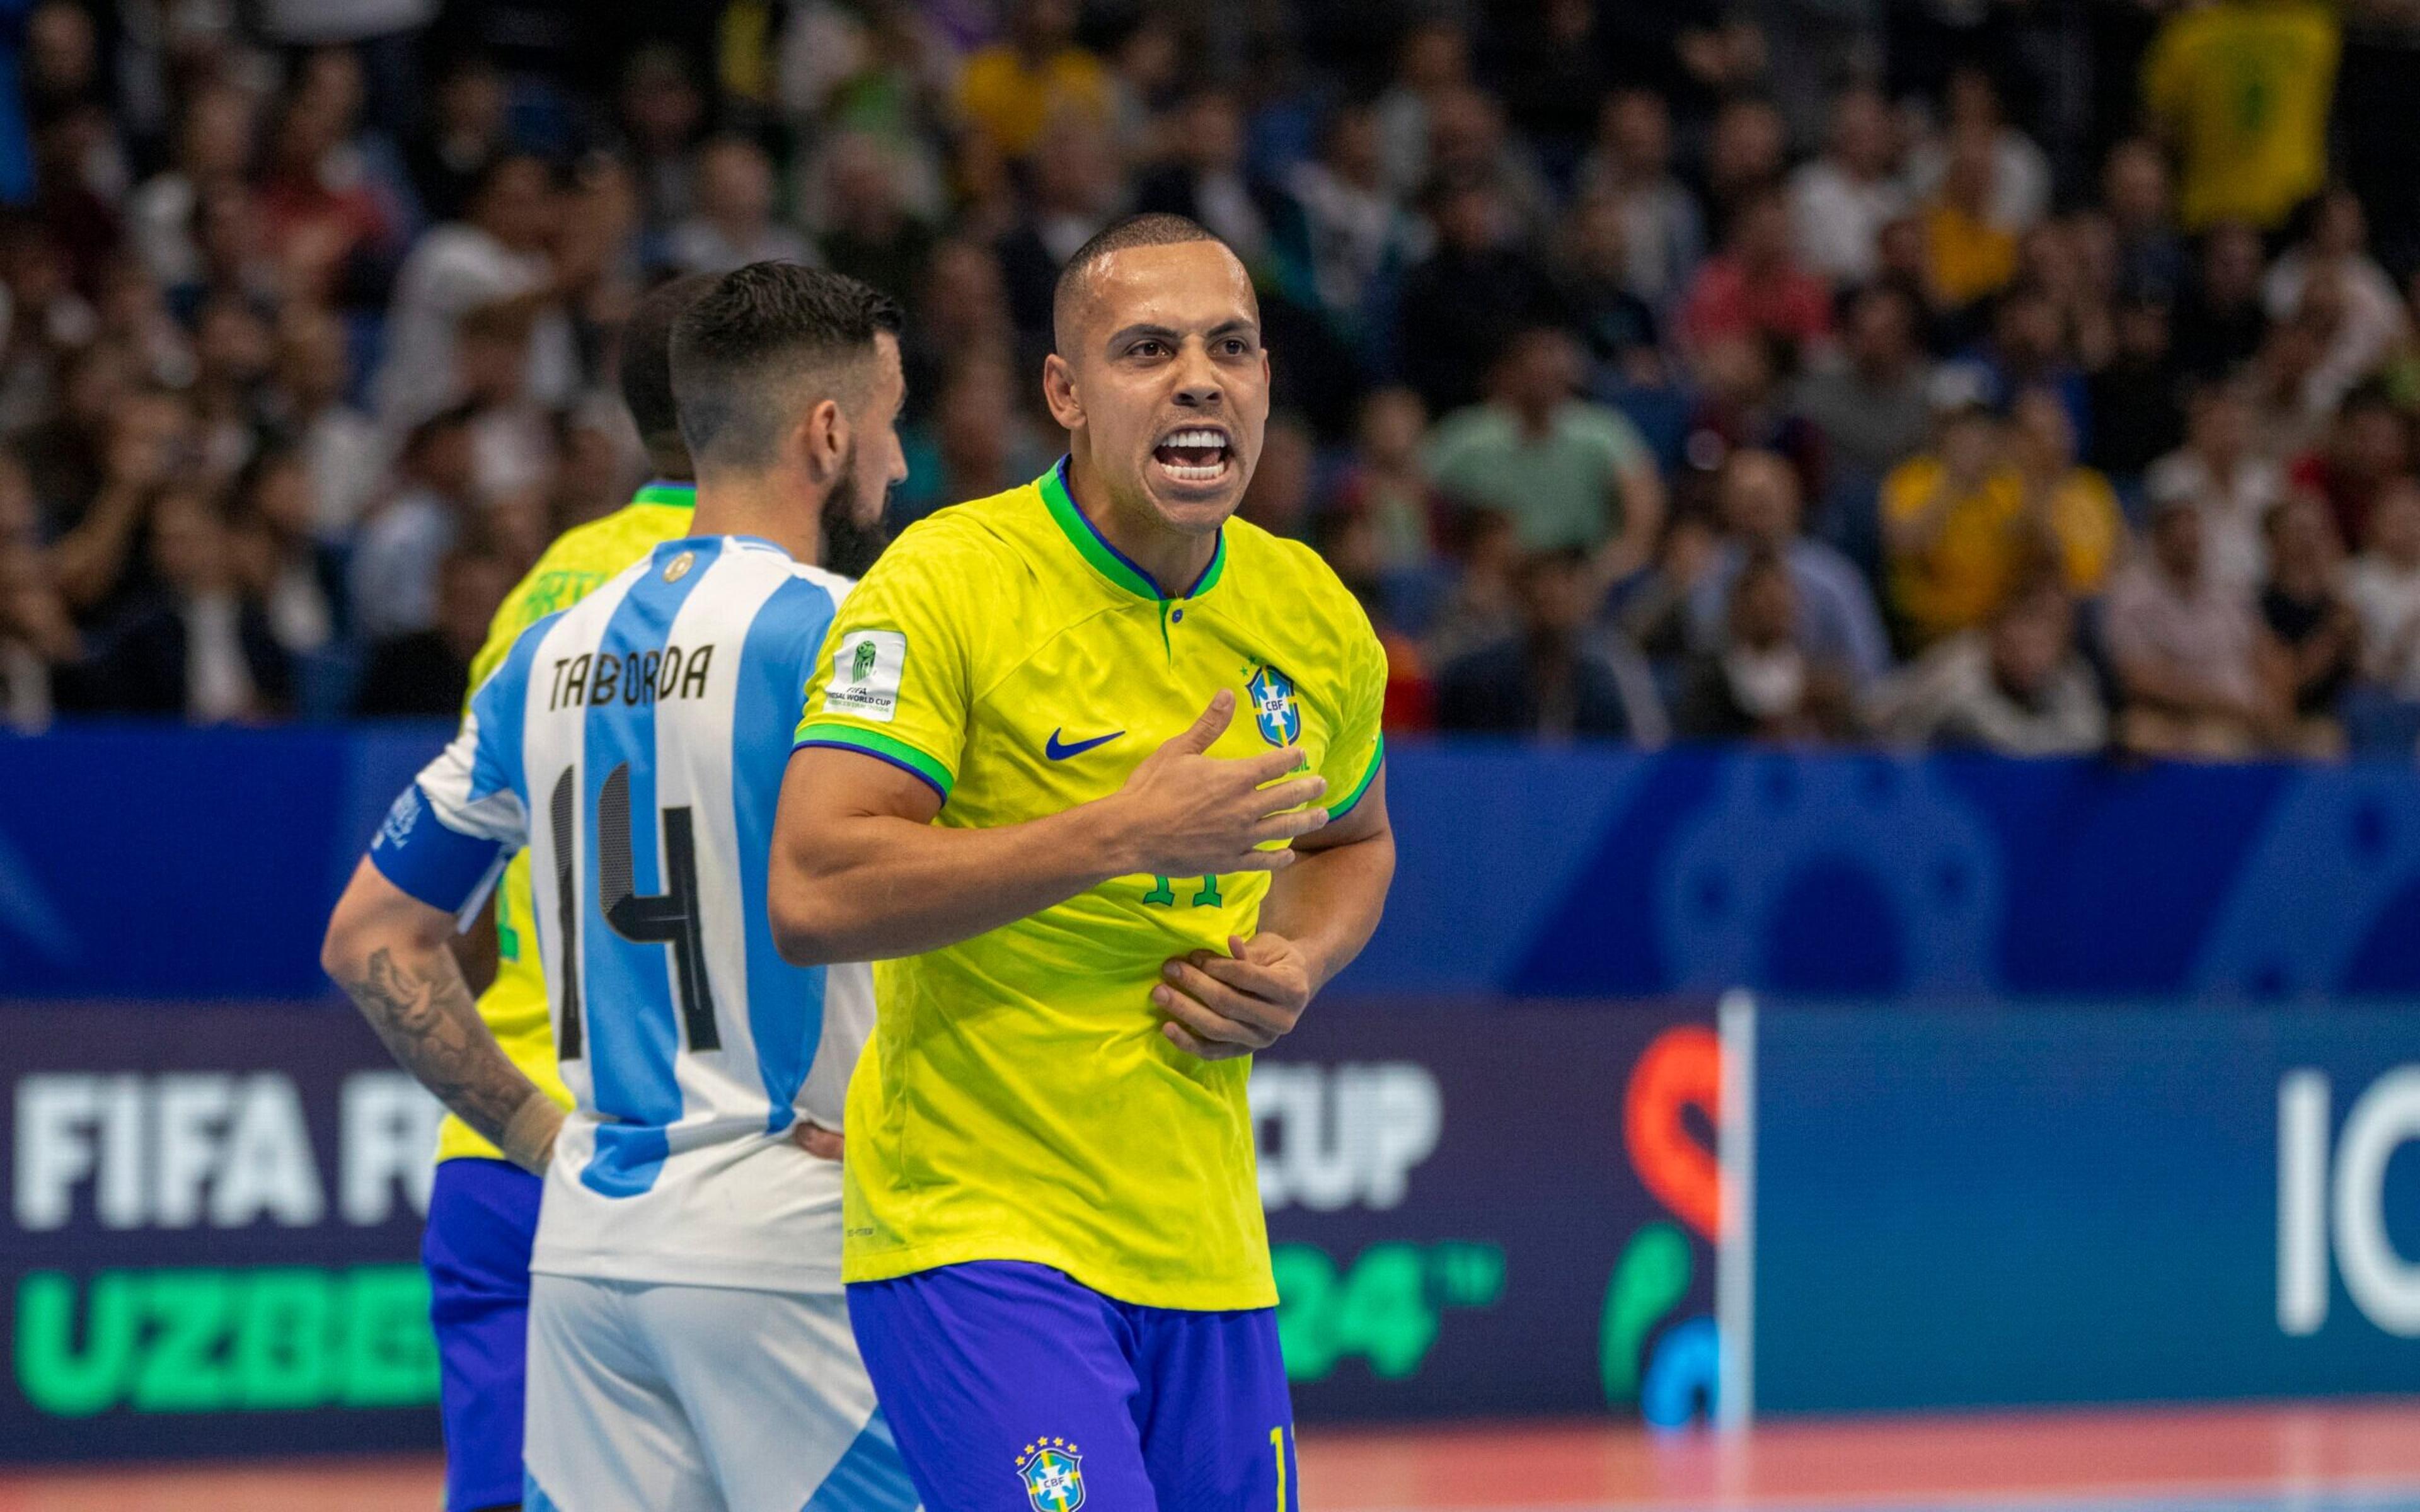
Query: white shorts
[(644, 1398)]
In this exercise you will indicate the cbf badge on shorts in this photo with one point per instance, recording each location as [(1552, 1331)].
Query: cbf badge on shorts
[(1054, 1475), (1273, 705)]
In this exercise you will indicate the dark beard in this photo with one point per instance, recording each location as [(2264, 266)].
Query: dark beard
[(849, 549)]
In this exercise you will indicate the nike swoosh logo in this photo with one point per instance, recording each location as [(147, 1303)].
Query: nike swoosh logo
[(1057, 752)]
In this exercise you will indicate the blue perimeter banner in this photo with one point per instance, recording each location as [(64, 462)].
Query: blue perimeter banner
[(2015, 1206), (212, 1224), (153, 862)]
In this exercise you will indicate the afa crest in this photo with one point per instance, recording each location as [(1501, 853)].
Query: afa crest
[(1273, 705), (1053, 1473)]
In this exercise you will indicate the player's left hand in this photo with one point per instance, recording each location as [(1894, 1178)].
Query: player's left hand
[(1220, 1007)]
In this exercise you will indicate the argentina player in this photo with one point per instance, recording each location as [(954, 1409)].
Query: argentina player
[(689, 1345)]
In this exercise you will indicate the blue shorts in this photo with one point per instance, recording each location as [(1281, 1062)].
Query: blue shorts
[(1010, 1388), (482, 1217)]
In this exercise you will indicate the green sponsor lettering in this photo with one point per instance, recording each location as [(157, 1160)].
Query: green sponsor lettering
[(1648, 1282), (1385, 1308), (211, 1340), (57, 1377)]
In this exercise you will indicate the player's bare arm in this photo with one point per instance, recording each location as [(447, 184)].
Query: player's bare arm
[(1316, 919), (392, 955), (861, 873)]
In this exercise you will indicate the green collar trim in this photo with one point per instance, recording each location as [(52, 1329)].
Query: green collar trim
[(679, 495), (1108, 560)]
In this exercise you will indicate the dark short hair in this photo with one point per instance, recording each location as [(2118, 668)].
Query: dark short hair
[(646, 371), (741, 348), (1155, 229)]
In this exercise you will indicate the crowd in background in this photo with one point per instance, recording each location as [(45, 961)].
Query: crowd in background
[(2034, 376)]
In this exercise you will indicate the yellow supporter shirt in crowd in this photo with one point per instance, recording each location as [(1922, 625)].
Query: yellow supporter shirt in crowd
[(1011, 101), (579, 559), (1984, 544), (1019, 1102), (1969, 257), (2243, 89)]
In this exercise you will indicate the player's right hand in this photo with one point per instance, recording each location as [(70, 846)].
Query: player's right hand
[(1185, 814)]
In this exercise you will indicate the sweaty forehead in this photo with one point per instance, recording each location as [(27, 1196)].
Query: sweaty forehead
[(1188, 286)]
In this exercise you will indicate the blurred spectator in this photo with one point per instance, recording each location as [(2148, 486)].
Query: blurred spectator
[(2218, 472), (1970, 254), (2019, 688), (2136, 397), (1753, 286), (2135, 195), (976, 445), (1011, 90), (1870, 402), (1553, 678), (731, 222), (1569, 472), (1469, 298), (393, 578), (95, 557), (1432, 57), (1662, 226), (1356, 242), (1840, 202), (2222, 318), (1617, 326), (1651, 607), (324, 215), (2190, 655), (2240, 89), (1746, 153), (1837, 621), (1554, 75), (661, 112), (1278, 496), (2329, 278), (1075, 192), (1763, 683), (338, 443), (2383, 585), (214, 147), (38, 643), (1479, 609), (200, 648), (512, 438), (962, 311), (1964, 526), (1386, 486), (2368, 448), (296, 578), (2028, 349), (2286, 423), (1207, 181), (868, 233), (499, 252), (2017, 175), (1466, 137), (2309, 618), (424, 673), (466, 127), (1741, 389)]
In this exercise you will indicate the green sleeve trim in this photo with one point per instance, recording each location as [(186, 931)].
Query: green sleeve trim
[(1378, 758), (883, 748)]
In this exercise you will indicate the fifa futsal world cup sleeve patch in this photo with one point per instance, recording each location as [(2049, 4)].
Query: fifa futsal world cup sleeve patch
[(866, 669)]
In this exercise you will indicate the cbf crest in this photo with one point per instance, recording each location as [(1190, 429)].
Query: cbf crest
[(1273, 705), (1053, 1473)]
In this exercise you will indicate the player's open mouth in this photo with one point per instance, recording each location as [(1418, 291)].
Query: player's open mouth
[(1196, 455)]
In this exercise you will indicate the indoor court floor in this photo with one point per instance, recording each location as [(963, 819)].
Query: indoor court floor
[(2357, 1458)]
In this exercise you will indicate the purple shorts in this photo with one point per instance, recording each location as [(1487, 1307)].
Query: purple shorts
[(1011, 1388)]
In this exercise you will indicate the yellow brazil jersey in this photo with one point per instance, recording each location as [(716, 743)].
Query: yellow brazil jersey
[(2243, 88), (579, 559), (1019, 1102)]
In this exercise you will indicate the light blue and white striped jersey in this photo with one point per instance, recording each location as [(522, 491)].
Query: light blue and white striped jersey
[(636, 743)]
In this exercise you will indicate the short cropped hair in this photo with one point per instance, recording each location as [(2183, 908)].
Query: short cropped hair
[(646, 371), (1158, 229), (743, 350)]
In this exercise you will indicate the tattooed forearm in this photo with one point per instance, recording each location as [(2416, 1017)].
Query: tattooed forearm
[(430, 1024)]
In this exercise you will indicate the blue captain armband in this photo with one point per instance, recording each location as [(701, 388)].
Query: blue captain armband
[(442, 867)]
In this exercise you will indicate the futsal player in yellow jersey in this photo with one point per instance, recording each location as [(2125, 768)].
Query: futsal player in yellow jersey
[(483, 1209), (1093, 771)]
